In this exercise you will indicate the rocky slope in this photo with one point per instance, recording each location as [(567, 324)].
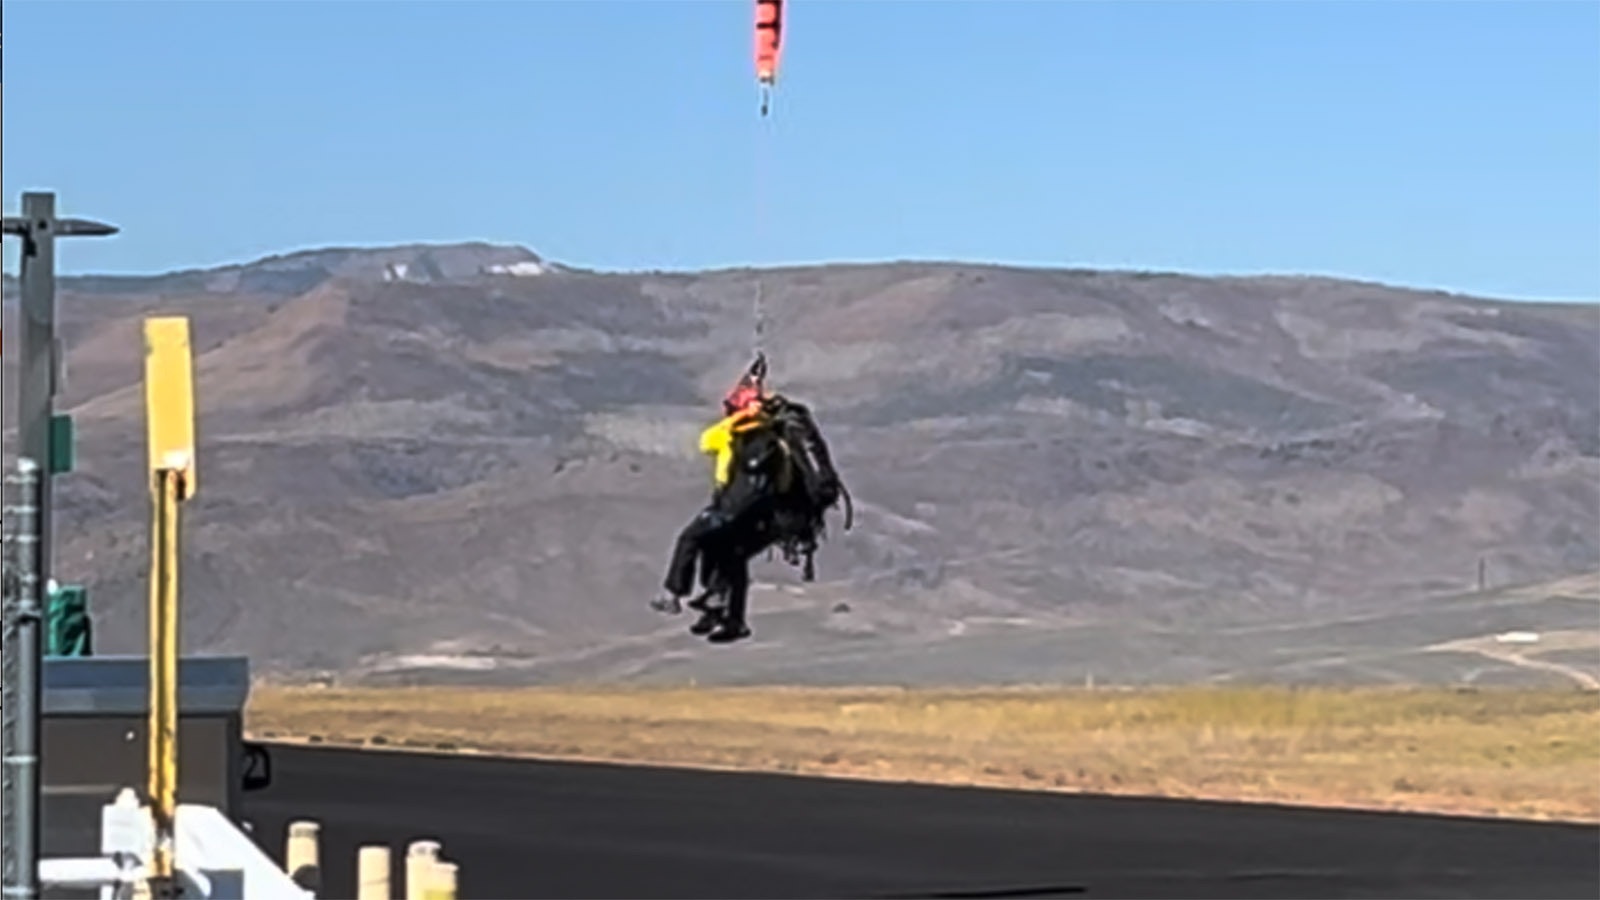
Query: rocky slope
[(469, 458)]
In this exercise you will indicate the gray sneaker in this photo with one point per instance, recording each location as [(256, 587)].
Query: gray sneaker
[(668, 603)]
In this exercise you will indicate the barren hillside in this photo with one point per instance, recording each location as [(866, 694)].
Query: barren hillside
[(468, 458)]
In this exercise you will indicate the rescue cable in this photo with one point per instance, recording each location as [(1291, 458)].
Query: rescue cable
[(768, 51)]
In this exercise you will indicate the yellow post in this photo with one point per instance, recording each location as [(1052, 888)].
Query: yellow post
[(372, 873), (169, 410), (163, 725), (169, 398)]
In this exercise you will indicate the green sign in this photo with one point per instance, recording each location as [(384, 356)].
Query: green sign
[(62, 453)]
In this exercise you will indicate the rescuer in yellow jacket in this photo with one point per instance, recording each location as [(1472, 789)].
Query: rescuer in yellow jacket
[(742, 412), (734, 502), (749, 514)]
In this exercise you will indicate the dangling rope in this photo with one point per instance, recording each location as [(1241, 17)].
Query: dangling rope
[(759, 313), (759, 343)]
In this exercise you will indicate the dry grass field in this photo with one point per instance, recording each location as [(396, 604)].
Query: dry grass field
[(1517, 753)]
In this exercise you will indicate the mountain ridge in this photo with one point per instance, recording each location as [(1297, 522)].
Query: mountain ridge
[(390, 250), (468, 465)]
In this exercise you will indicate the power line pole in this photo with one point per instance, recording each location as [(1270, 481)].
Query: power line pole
[(28, 567), (39, 373)]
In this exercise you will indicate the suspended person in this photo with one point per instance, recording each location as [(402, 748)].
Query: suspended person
[(761, 499), (743, 500), (774, 479), (793, 520)]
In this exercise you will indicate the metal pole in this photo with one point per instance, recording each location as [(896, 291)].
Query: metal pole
[(28, 554), (39, 372), (23, 687), (36, 388), (169, 409), (163, 725)]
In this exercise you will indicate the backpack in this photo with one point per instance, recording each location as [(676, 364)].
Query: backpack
[(798, 520)]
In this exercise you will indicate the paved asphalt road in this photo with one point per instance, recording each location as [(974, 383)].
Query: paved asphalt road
[(532, 829)]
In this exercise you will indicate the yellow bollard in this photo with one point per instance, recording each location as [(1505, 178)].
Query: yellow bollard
[(421, 857), (372, 873), (302, 856), (442, 884)]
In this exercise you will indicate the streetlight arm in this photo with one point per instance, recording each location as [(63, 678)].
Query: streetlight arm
[(84, 228), (19, 226)]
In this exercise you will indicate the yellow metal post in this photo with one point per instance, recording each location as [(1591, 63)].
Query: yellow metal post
[(163, 726), (169, 408), (169, 399)]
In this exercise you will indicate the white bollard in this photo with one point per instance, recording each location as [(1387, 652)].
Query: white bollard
[(421, 856), (442, 883), (302, 856), (372, 873)]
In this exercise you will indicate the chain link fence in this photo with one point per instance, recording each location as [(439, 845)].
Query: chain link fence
[(20, 608)]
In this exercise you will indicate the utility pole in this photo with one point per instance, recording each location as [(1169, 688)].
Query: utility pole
[(40, 369), (28, 562)]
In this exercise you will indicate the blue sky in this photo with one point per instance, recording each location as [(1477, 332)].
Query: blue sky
[(1439, 144)]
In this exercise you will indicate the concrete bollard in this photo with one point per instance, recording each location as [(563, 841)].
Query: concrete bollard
[(372, 873), (421, 857), (442, 883), (302, 856)]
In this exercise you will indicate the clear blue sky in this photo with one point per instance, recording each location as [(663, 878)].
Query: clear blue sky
[(1452, 145)]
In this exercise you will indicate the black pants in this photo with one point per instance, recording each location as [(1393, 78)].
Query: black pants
[(738, 512), (727, 565)]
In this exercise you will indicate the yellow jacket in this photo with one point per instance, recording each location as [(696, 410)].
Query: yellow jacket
[(717, 441)]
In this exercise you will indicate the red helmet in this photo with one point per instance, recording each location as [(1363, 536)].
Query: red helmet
[(749, 389), (740, 397)]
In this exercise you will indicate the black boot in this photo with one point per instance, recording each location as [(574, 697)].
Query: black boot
[(708, 621), (728, 631)]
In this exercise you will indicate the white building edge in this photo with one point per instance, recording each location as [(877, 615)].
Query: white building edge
[(212, 858)]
